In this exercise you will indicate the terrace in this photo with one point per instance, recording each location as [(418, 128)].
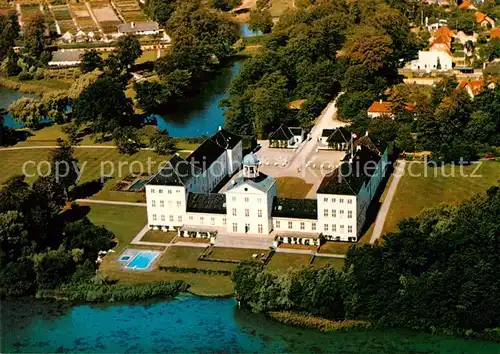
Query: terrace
[(129, 10)]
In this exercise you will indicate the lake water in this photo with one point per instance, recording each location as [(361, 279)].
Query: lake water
[(7, 96), (193, 324), (201, 114)]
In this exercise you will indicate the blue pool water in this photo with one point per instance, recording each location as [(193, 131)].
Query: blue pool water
[(125, 258), (143, 260), (137, 186)]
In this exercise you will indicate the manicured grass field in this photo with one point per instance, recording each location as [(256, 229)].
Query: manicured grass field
[(236, 254), (292, 187), (187, 257), (159, 236), (125, 222), (321, 262), (335, 247), (283, 261), (417, 193)]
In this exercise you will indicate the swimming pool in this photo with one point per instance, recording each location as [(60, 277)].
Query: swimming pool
[(137, 186), (143, 260)]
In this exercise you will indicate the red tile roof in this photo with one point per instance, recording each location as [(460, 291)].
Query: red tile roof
[(495, 33), (465, 5), (476, 86), (480, 17), (381, 107)]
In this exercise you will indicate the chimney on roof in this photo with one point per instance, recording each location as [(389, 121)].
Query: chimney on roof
[(380, 101), (220, 128), (366, 134), (132, 24)]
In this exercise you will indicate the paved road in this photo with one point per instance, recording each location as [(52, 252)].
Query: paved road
[(382, 213), (325, 121), (110, 202)]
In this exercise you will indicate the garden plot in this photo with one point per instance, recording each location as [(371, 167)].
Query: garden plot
[(29, 11), (83, 18), (130, 10), (62, 16), (107, 18)]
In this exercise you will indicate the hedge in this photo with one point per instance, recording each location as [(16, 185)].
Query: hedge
[(196, 270)]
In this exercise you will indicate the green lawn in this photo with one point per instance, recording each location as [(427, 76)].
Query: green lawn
[(417, 193), (98, 162), (187, 257), (125, 222), (36, 86), (292, 187), (237, 254), (335, 247), (283, 261), (159, 236), (320, 262)]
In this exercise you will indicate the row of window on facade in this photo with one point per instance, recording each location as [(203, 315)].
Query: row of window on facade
[(334, 200), (191, 218), (162, 203), (160, 191), (247, 200), (260, 228), (247, 212), (302, 226), (341, 213)]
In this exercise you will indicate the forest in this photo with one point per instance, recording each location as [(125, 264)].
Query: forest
[(439, 273)]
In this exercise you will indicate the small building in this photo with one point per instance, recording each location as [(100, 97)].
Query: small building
[(381, 108), (81, 36), (433, 61), (474, 87), (68, 37), (338, 139), (494, 33), (139, 28), (484, 20), (62, 58), (285, 137)]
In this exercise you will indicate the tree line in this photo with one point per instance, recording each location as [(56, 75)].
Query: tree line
[(438, 273), (312, 53)]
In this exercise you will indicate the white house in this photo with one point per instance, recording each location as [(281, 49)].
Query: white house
[(285, 137), (433, 61), (62, 58), (338, 139), (139, 29)]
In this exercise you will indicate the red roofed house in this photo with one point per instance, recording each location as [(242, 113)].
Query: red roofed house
[(495, 33), (384, 108), (484, 20), (473, 87)]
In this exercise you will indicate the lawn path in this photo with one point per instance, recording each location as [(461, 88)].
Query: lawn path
[(382, 214)]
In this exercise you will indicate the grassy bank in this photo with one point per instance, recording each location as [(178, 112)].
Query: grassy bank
[(321, 324), (38, 87), (429, 187)]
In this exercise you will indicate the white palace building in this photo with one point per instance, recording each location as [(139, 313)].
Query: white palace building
[(216, 191)]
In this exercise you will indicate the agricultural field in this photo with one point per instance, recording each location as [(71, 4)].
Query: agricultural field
[(130, 10), (29, 11), (83, 18), (106, 16), (63, 17), (66, 74)]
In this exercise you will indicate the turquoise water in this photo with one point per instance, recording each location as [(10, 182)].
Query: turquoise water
[(247, 32), (142, 260), (7, 97), (137, 186), (191, 324), (201, 114)]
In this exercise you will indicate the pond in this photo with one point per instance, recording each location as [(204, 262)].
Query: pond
[(8, 96), (194, 117), (193, 324), (201, 114)]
